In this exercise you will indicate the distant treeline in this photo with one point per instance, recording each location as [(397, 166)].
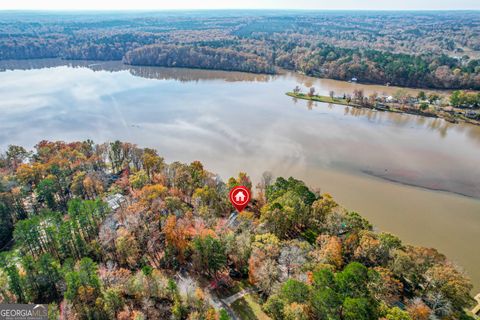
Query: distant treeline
[(383, 67), (187, 56), (72, 48), (434, 50)]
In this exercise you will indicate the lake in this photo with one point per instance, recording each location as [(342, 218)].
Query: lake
[(413, 176)]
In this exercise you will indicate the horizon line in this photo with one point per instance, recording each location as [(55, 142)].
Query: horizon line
[(226, 9)]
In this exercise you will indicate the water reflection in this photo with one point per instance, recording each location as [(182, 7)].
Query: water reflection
[(159, 73), (324, 86), (434, 124), (185, 75)]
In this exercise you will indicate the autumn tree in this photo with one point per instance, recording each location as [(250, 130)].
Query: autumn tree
[(384, 286), (321, 208), (372, 98), (150, 195), (176, 236), (31, 174), (451, 283), (370, 250), (242, 180), (329, 251), (93, 186), (263, 267), (418, 310), (198, 174), (210, 202), (127, 248), (358, 96), (295, 311), (152, 163), (139, 179)]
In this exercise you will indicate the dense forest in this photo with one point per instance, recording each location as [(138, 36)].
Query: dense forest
[(197, 57), (418, 49), (112, 231)]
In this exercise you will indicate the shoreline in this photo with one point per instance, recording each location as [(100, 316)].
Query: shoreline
[(278, 71), (387, 107)]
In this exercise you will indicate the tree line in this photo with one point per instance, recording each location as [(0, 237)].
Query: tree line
[(198, 57)]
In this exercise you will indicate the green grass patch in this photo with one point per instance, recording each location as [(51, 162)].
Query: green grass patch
[(324, 99), (249, 308)]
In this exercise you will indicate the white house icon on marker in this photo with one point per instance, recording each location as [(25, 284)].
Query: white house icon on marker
[(240, 197)]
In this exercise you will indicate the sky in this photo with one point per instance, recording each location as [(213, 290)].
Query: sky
[(239, 4)]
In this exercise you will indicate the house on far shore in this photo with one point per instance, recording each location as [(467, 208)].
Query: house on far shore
[(390, 99), (471, 114), (476, 310)]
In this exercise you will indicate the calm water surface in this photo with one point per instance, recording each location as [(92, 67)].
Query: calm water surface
[(413, 176)]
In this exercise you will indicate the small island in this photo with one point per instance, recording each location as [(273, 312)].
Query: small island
[(459, 106)]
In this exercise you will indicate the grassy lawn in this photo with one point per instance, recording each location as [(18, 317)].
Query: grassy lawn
[(324, 99), (248, 308)]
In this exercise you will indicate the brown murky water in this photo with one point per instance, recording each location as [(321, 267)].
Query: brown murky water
[(386, 166)]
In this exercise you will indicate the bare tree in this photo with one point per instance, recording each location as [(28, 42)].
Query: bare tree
[(358, 95), (268, 276), (292, 256), (267, 178), (372, 98)]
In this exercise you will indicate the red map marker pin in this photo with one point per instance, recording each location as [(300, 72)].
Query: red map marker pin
[(239, 197)]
